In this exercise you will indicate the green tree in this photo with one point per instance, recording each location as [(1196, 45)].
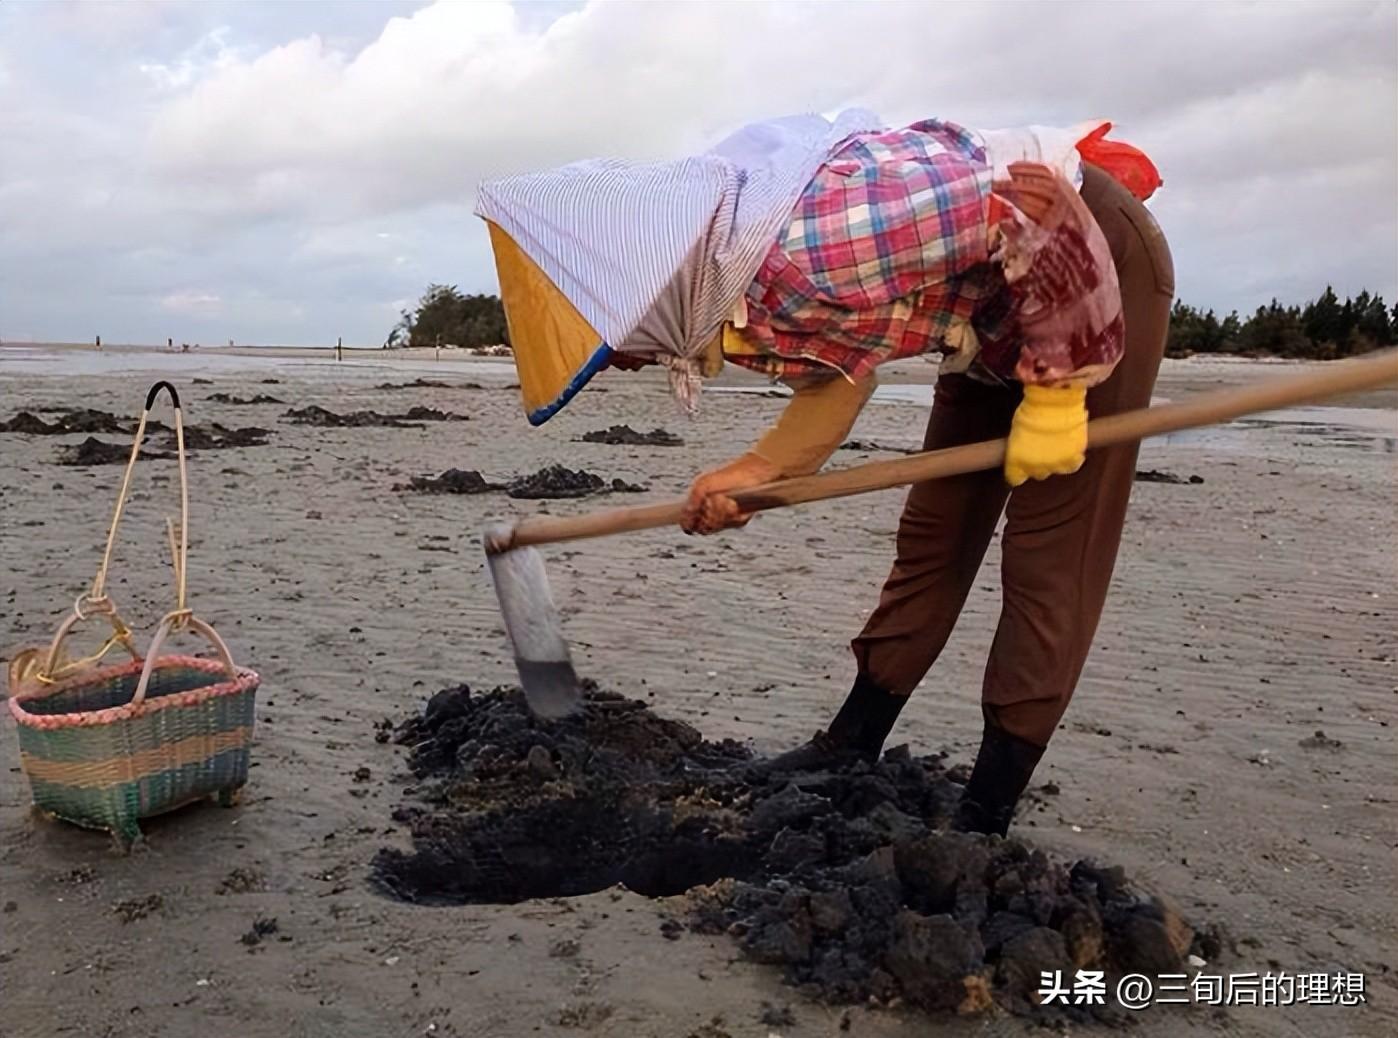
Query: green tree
[(1194, 332), (1374, 322), (445, 316), (1276, 330), (1230, 329), (1322, 320)]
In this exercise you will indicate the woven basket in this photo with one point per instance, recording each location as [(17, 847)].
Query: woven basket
[(104, 747), (99, 760)]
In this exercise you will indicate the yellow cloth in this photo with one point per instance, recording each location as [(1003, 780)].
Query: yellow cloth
[(551, 341), (1048, 435), (814, 423)]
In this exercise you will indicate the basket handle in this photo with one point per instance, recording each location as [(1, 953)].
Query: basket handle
[(95, 599), (180, 619), (155, 392), (179, 551), (121, 635)]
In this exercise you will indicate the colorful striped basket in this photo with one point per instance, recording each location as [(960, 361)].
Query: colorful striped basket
[(104, 747), (98, 758)]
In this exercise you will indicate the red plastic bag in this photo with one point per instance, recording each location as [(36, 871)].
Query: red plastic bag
[(1127, 165)]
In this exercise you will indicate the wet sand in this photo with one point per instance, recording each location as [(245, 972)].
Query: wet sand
[(1248, 611)]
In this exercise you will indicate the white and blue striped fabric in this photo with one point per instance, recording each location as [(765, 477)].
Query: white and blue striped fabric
[(656, 255)]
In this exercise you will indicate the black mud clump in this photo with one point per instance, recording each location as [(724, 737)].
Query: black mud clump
[(431, 414), (244, 401), (1320, 741), (1157, 476), (93, 451), (625, 436), (411, 419), (30, 425), (69, 421), (427, 383), (516, 808), (870, 447), (72, 420), (555, 481), (213, 437), (847, 879), (452, 481)]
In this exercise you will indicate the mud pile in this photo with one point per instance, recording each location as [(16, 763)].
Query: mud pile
[(213, 437), (426, 383), (452, 481), (69, 420), (431, 414), (555, 481), (846, 879), (625, 436), (518, 808), (93, 451), (411, 419), (870, 447), (244, 401), (1158, 476)]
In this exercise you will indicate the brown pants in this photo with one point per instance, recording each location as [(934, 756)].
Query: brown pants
[(1061, 534)]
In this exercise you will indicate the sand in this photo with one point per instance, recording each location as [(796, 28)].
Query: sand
[(1248, 612)]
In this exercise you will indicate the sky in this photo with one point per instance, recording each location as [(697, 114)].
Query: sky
[(286, 173)]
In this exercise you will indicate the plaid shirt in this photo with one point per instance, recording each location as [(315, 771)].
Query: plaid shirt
[(888, 255)]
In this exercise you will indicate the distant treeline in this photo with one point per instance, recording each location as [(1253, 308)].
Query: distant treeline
[(445, 316), (1323, 329)]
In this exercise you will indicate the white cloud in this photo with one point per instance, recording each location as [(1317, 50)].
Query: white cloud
[(208, 54), (288, 168), (192, 302)]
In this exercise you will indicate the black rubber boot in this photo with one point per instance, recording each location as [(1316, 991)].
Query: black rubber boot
[(857, 733), (1001, 773)]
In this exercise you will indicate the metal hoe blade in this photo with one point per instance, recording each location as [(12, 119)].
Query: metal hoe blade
[(536, 631)]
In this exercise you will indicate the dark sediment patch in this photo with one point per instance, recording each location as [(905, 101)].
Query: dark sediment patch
[(432, 414), (262, 928), (555, 481), (625, 436), (241, 401), (213, 437), (314, 415), (72, 420), (413, 418), (30, 425), (133, 909), (69, 421), (1320, 741), (427, 383), (516, 808), (552, 482), (452, 481), (870, 447), (847, 879), (1157, 476), (93, 451)]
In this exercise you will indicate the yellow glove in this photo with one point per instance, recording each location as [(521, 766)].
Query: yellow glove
[(1048, 435)]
